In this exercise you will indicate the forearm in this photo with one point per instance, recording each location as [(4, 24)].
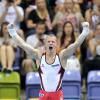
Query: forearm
[(19, 41), (30, 24), (81, 38)]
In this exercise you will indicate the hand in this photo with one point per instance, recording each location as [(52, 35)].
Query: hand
[(6, 42), (85, 24), (86, 29), (11, 30)]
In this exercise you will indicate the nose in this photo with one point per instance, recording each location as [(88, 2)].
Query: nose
[(51, 42)]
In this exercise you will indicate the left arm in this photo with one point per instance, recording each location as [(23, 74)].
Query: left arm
[(64, 54)]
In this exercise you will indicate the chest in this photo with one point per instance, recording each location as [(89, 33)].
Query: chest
[(54, 67)]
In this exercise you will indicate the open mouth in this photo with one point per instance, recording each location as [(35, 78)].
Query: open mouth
[(50, 48)]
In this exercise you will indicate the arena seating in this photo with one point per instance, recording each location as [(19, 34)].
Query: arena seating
[(9, 86), (93, 84), (32, 85), (71, 85)]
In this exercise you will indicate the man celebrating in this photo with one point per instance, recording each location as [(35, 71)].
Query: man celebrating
[(50, 65)]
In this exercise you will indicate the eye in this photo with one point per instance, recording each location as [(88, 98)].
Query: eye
[(53, 41), (48, 41)]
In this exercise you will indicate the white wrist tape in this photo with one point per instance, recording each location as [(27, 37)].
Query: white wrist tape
[(12, 31)]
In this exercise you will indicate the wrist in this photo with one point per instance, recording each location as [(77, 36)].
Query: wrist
[(12, 31), (85, 31)]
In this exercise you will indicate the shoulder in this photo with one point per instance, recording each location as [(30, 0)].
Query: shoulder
[(33, 12), (40, 55), (19, 8)]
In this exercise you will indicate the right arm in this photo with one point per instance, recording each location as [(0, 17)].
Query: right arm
[(21, 43)]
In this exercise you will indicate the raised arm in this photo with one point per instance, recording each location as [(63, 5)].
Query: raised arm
[(64, 54), (21, 43)]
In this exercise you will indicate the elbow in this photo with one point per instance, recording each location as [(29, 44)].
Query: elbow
[(77, 44)]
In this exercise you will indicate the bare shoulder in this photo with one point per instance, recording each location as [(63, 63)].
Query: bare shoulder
[(40, 54), (38, 60), (36, 53), (41, 51)]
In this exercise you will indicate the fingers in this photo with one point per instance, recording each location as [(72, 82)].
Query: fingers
[(11, 30), (10, 26)]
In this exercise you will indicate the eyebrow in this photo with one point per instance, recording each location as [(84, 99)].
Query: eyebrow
[(51, 41)]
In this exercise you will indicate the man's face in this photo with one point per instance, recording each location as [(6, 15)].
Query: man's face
[(51, 43), (40, 29)]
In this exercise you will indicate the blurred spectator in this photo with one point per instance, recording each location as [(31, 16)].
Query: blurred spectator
[(11, 13), (94, 48), (67, 10), (66, 38), (17, 2), (96, 13), (92, 15), (29, 8), (78, 1), (7, 54), (78, 14), (86, 4), (94, 43), (39, 14), (69, 4), (37, 41), (59, 15), (96, 1), (69, 14)]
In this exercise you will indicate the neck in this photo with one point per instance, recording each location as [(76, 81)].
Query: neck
[(68, 34), (41, 10), (51, 54)]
